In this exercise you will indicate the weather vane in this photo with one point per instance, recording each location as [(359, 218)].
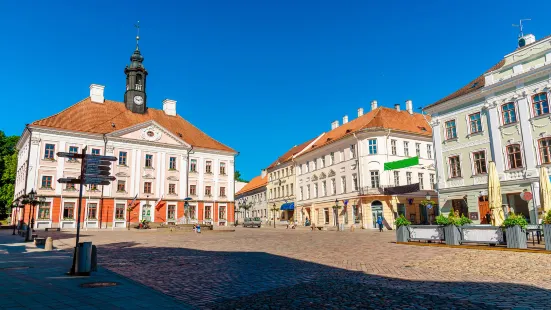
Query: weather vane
[(520, 35), (137, 25)]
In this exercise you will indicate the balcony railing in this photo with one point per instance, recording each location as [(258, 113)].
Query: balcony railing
[(368, 190)]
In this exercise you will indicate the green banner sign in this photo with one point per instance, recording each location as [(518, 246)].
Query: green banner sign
[(404, 163)]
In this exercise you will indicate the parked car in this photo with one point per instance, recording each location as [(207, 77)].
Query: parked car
[(252, 222)]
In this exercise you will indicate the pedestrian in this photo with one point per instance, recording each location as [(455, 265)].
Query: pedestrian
[(194, 228), (380, 223), (198, 229), (488, 217)]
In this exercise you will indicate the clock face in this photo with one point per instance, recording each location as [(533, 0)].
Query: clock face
[(138, 100)]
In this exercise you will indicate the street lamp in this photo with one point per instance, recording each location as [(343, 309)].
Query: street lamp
[(336, 212), (427, 196), (14, 215), (30, 223), (274, 210)]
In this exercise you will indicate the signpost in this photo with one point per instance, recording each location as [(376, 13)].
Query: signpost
[(94, 169)]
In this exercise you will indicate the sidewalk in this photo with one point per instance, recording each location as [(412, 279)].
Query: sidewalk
[(31, 278)]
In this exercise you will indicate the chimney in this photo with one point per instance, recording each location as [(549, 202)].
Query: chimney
[(169, 106), (397, 107), (345, 119), (409, 106), (373, 105), (263, 173), (360, 112), (96, 93), (334, 125)]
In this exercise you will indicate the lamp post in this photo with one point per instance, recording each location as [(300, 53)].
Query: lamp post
[(14, 215), (30, 223), (274, 210), (427, 197), (336, 212)]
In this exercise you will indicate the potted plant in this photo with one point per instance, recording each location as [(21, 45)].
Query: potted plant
[(402, 231), (515, 231), (547, 230), (452, 232)]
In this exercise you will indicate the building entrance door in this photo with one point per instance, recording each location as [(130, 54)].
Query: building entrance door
[(423, 214), (376, 211), (483, 209), (146, 213)]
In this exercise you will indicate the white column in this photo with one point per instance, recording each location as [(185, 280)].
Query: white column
[(161, 162), (495, 136), (524, 117), (437, 142), (59, 169)]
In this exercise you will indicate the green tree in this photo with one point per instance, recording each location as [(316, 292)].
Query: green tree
[(8, 167), (237, 176)]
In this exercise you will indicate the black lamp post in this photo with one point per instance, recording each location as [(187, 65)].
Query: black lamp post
[(427, 197), (336, 208), (14, 214), (274, 210), (30, 225)]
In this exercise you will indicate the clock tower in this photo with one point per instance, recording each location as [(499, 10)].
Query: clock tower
[(135, 97)]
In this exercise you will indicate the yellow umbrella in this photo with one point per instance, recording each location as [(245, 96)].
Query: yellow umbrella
[(545, 190), (494, 195)]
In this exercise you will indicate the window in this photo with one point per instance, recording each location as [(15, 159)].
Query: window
[(122, 158), (322, 162), (222, 212), (46, 181), (408, 178), (192, 212), (372, 146), (49, 151), (193, 165), (421, 182), (69, 211), (541, 105), (451, 131), (343, 184), (208, 167), (121, 186), (147, 187), (96, 152), (396, 178), (172, 188), (93, 187), (223, 168), (353, 151), (393, 146), (270, 196), (332, 158), (431, 180), (418, 149), (514, 155), (316, 190), (307, 166), (208, 191), (149, 161), (326, 215), (355, 181), (70, 187), (301, 193), (509, 113), (119, 211), (315, 162), (208, 212), (429, 151), (545, 150), (171, 212), (73, 149), (92, 211), (308, 191), (375, 179), (193, 190), (342, 155), (286, 190), (172, 163), (44, 211), (406, 148), (324, 188), (475, 125), (479, 159), (291, 189), (455, 167), (222, 191)]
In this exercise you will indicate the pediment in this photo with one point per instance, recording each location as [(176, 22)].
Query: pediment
[(148, 176), (322, 175), (314, 177), (331, 173), (173, 178), (150, 132), (122, 174)]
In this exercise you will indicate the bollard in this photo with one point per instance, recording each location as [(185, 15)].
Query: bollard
[(49, 246)]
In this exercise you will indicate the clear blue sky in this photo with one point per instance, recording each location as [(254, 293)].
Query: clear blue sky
[(259, 76)]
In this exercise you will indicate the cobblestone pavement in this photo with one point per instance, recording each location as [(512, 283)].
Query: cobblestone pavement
[(297, 269)]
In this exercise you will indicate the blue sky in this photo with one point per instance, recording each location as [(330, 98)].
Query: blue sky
[(259, 76)]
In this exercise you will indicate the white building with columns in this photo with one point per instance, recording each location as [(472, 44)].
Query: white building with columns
[(502, 116)]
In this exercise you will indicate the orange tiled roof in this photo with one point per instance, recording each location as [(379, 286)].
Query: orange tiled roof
[(382, 117), (87, 116), (255, 183), (290, 153)]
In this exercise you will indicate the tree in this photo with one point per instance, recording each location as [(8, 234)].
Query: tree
[(237, 176), (8, 168)]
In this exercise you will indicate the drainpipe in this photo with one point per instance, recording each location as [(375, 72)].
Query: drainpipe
[(359, 178), (190, 151), (234, 181)]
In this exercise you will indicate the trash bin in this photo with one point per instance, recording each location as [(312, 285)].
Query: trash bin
[(84, 258)]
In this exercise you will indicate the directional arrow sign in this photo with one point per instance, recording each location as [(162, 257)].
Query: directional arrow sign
[(99, 157), (69, 180), (69, 155), (99, 177), (98, 172), (98, 182), (94, 162)]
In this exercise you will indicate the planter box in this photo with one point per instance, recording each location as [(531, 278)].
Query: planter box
[(482, 234), (516, 238), (402, 234), (452, 234), (547, 236), (426, 232)]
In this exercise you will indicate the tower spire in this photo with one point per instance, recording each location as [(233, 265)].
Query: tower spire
[(137, 25)]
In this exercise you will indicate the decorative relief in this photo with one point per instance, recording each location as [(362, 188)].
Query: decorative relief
[(481, 179), (465, 145), (343, 169), (322, 175), (110, 149), (122, 175), (434, 122), (331, 173), (148, 176), (515, 175), (35, 141), (172, 178), (503, 133), (456, 183), (314, 177), (151, 133)]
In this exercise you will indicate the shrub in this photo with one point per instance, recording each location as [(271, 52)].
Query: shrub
[(451, 219), (515, 220), (401, 221), (547, 218), (464, 220), (442, 220)]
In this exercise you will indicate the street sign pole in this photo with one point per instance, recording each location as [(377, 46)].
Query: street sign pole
[(73, 267)]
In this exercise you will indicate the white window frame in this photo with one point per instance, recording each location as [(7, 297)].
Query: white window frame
[(462, 175), (473, 164), (468, 120), (393, 147), (445, 135), (502, 119)]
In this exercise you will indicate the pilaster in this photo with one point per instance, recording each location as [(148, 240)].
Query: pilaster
[(495, 136), (437, 142)]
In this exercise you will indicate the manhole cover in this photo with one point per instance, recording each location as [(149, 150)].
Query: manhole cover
[(15, 268), (98, 284)]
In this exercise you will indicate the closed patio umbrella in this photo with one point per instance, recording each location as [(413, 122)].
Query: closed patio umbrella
[(545, 190), (494, 195)]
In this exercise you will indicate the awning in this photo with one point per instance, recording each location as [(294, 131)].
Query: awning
[(288, 206), (400, 190)]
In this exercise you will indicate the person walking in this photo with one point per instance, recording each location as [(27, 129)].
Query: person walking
[(380, 223)]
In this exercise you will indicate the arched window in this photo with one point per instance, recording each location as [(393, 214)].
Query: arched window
[(139, 85), (515, 156), (545, 150), (540, 104)]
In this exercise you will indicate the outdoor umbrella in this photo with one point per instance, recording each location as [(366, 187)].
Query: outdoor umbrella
[(545, 190), (494, 195)]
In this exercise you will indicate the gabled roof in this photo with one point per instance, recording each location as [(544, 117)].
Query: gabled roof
[(381, 118), (87, 116), (255, 183), (290, 153)]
